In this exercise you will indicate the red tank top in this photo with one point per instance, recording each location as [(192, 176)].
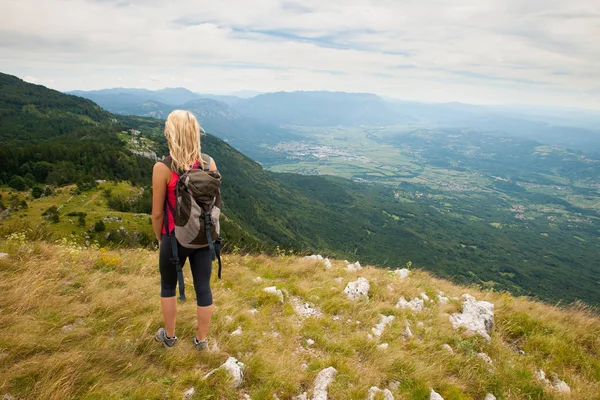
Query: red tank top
[(172, 199)]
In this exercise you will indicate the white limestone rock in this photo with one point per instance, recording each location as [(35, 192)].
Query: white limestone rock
[(541, 375), (402, 273), (305, 309), (424, 296), (442, 299), (383, 346), (339, 279), (253, 311), (275, 291), (314, 257), (188, 394), (447, 347), (476, 316), (387, 395), (237, 332), (383, 322), (485, 358), (490, 396), (394, 385), (353, 267), (303, 396), (415, 304), (327, 263), (407, 333), (234, 369), (258, 279), (435, 395), (310, 342), (324, 378), (557, 384), (357, 289), (561, 386), (2, 255)]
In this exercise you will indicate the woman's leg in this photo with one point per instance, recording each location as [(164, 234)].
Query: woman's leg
[(201, 266), (169, 312), (168, 285), (204, 314)]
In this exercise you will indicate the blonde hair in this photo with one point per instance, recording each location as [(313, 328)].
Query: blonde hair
[(183, 136)]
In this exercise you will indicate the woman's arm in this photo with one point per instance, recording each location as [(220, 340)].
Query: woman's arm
[(160, 180)]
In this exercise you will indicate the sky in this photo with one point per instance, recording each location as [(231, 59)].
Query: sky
[(542, 52)]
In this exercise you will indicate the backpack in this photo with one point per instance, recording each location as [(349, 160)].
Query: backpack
[(195, 213)]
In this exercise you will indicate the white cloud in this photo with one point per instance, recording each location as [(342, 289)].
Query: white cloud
[(492, 51)]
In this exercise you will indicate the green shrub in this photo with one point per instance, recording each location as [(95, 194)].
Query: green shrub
[(99, 226)]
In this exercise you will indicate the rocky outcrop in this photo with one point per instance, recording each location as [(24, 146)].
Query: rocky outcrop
[(415, 304), (189, 394), (387, 395), (304, 309), (234, 369), (476, 316), (557, 384), (402, 273), (275, 291), (383, 322), (435, 395), (353, 267), (442, 299), (485, 358), (237, 332), (447, 347), (323, 380), (407, 334), (357, 289)]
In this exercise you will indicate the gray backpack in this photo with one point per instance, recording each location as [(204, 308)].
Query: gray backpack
[(196, 213)]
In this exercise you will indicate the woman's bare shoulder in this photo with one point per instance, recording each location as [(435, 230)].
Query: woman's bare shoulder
[(213, 165), (160, 169)]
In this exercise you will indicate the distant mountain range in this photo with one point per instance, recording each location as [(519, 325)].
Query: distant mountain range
[(213, 112), (262, 119)]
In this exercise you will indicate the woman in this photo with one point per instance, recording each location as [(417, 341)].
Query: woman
[(183, 137)]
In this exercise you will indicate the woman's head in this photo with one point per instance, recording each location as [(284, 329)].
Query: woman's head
[(183, 136)]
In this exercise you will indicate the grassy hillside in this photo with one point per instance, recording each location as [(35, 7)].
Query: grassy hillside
[(78, 323)]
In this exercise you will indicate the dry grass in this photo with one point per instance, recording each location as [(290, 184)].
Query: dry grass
[(79, 324)]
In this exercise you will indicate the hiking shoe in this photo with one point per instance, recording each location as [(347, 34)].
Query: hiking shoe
[(200, 345), (161, 336)]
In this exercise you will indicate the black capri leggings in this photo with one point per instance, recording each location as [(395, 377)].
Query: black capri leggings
[(200, 264)]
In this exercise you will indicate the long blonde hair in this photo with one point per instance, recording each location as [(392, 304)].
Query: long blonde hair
[(183, 136)]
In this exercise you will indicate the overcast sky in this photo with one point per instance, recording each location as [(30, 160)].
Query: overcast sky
[(475, 51)]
